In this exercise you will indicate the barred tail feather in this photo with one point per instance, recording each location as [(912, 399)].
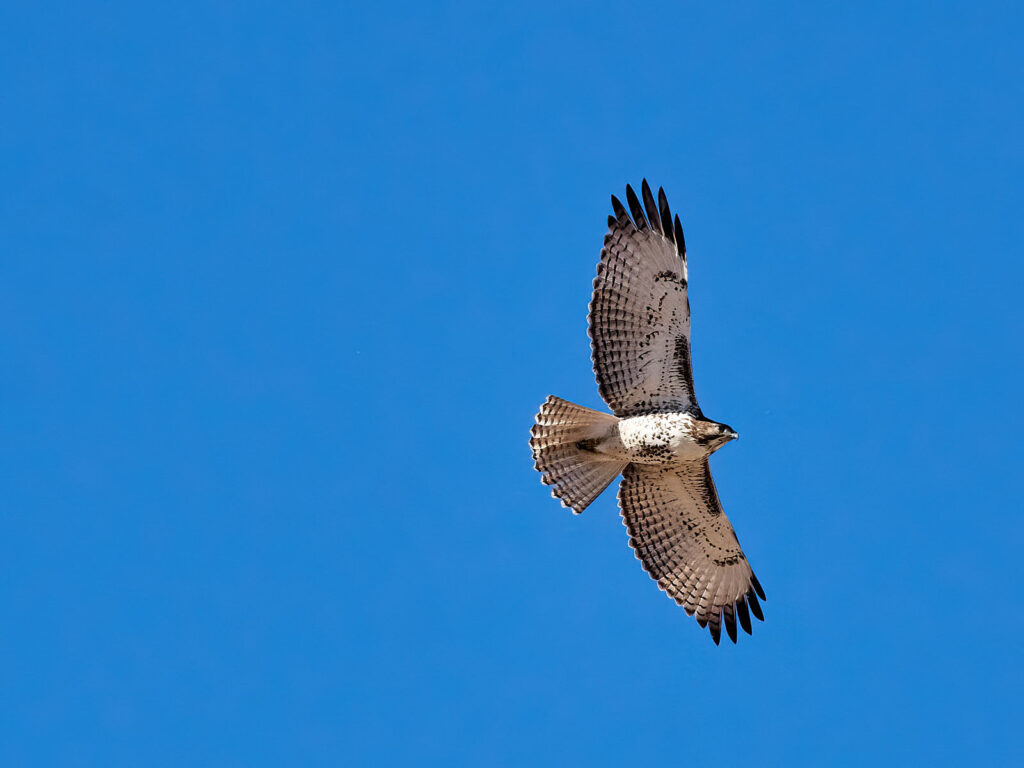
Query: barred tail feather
[(577, 475)]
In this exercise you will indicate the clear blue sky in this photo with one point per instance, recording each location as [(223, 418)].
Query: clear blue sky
[(282, 285)]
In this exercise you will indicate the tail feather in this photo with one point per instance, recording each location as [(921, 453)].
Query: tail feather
[(559, 440)]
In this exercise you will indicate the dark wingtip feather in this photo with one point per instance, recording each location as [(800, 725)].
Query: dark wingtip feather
[(680, 241), (620, 212), (755, 607), (716, 633), (744, 615), (757, 586), (730, 624), (635, 208), (666, 214), (703, 621), (611, 222), (652, 208)]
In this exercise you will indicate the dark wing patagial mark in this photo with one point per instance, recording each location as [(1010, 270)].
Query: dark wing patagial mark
[(684, 369)]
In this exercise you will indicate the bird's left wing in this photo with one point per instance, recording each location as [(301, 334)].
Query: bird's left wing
[(640, 312), (684, 540)]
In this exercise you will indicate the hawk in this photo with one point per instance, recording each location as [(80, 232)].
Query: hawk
[(656, 435)]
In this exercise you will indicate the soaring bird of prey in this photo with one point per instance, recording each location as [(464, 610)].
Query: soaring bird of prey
[(658, 439)]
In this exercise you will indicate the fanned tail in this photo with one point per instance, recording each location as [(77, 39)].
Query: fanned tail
[(562, 442)]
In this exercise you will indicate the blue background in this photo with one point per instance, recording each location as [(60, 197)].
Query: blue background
[(282, 286)]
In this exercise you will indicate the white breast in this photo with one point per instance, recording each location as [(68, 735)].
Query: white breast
[(658, 438)]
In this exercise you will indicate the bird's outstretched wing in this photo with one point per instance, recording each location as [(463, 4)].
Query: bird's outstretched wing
[(640, 313), (684, 540)]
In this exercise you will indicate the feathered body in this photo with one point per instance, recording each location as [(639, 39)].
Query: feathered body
[(663, 438), (656, 437)]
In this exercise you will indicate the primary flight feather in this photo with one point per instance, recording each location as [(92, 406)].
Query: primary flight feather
[(657, 439)]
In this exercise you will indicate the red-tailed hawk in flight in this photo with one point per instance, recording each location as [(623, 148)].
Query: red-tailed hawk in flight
[(658, 439)]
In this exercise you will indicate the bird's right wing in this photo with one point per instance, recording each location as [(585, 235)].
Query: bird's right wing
[(684, 540), (640, 312)]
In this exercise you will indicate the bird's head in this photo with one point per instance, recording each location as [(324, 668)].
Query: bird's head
[(719, 435)]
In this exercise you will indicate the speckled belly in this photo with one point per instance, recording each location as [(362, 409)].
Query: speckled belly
[(658, 438)]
